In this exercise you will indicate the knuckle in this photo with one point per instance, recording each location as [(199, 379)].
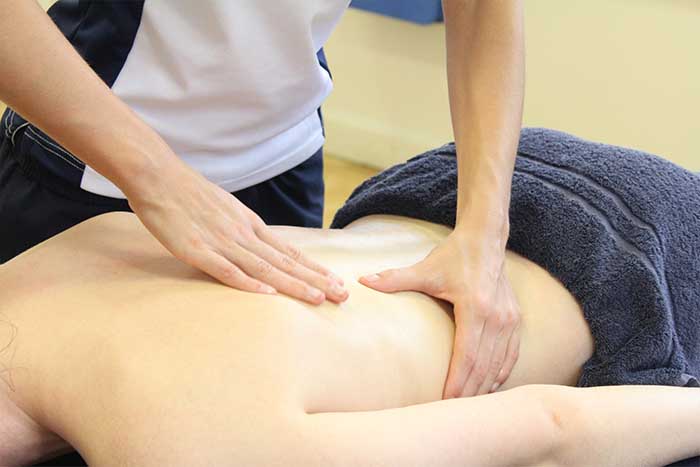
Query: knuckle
[(228, 273), (185, 252), (469, 359), (262, 267), (195, 242), (328, 283), (287, 262), (481, 301), (310, 293), (517, 319), (514, 354), (246, 235), (480, 371), (435, 283), (499, 319), (482, 314), (322, 283), (496, 364), (239, 232), (234, 230), (388, 275), (509, 318), (190, 252), (294, 253), (482, 307), (258, 226)]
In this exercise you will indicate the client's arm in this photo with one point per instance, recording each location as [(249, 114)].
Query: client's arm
[(537, 424), (22, 441)]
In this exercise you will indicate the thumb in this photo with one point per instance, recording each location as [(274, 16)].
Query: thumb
[(394, 280)]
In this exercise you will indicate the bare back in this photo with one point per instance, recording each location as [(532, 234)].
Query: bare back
[(116, 339)]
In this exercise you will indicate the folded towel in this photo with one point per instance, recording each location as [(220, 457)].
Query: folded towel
[(619, 228)]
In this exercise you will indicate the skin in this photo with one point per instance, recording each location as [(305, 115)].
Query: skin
[(204, 227), (197, 221), (486, 77), (135, 358)]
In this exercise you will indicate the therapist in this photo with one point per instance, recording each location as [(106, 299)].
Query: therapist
[(166, 108)]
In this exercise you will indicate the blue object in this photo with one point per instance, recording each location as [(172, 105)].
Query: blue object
[(417, 11), (619, 228)]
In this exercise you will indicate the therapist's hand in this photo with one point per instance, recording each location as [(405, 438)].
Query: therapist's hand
[(204, 226), (470, 274)]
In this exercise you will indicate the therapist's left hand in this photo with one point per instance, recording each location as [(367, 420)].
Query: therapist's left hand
[(468, 272)]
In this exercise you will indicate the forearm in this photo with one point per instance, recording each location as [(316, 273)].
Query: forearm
[(485, 65), (48, 83), (508, 428), (628, 425), (535, 424)]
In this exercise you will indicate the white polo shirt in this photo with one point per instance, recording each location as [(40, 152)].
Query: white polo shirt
[(233, 86)]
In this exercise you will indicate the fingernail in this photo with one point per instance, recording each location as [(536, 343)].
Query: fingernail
[(338, 279), (371, 278), (494, 387), (268, 290), (338, 290), (315, 294)]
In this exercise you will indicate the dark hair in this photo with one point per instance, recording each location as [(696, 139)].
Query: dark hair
[(8, 348)]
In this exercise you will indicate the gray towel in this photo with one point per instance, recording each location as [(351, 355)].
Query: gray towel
[(619, 228)]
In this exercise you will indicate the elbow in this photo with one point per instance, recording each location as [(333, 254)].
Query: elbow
[(563, 424)]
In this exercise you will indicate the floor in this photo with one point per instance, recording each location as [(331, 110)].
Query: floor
[(341, 178)]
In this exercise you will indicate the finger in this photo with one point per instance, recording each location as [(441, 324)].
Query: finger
[(483, 359), (513, 348), (497, 360), (269, 237), (394, 280), (260, 269), (466, 346), (326, 284), (227, 273), (512, 355)]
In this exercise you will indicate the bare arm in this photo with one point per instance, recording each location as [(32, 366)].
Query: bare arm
[(537, 424), (486, 75), (47, 82), (485, 69), (22, 441), (57, 91)]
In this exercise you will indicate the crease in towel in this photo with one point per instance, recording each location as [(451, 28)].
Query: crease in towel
[(616, 236), (619, 228)]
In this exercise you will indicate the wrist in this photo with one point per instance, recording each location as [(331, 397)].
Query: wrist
[(122, 148), (485, 225), (145, 163)]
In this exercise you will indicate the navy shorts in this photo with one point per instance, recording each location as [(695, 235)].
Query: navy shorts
[(35, 205)]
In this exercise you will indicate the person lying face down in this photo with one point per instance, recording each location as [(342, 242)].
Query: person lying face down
[(132, 357), (118, 350)]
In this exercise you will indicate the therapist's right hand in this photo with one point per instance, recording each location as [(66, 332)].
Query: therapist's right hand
[(197, 221), (209, 229)]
